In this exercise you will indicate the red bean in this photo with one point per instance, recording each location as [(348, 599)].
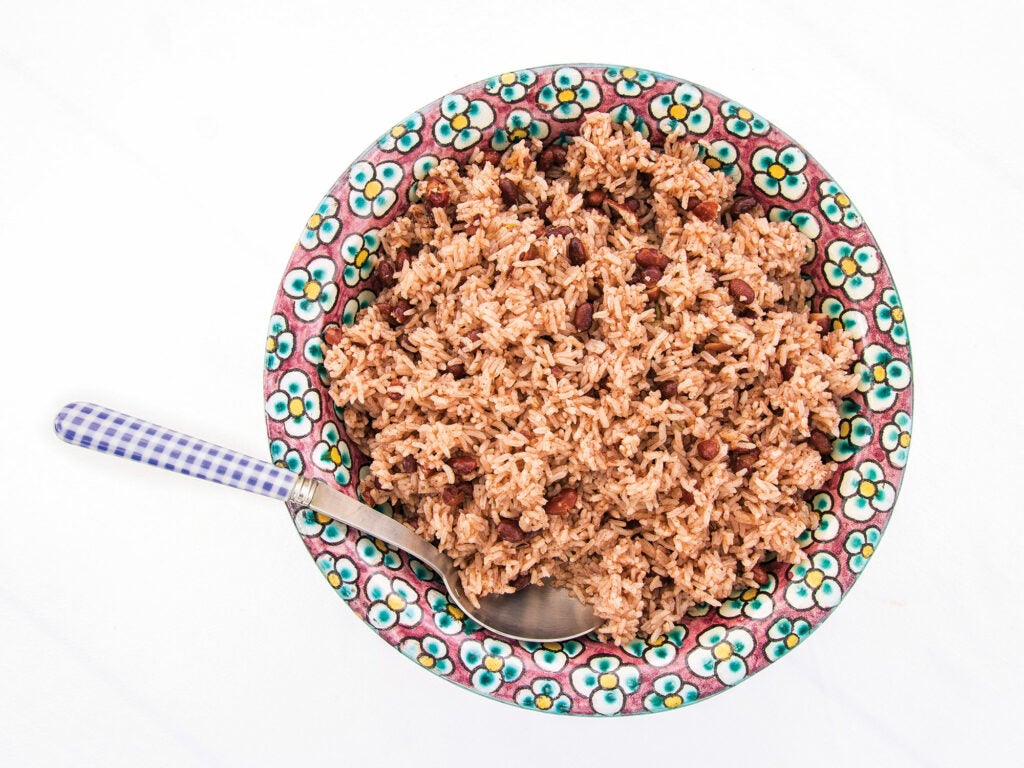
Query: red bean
[(332, 335), (584, 317), (820, 442), (707, 449), (706, 211), (561, 502), (511, 532), (651, 257), (576, 252), (594, 198), (743, 204), (463, 465), (509, 191), (741, 291)]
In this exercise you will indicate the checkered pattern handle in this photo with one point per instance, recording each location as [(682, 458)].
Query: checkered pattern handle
[(107, 431)]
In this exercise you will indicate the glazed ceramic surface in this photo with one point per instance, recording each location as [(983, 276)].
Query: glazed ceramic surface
[(330, 279)]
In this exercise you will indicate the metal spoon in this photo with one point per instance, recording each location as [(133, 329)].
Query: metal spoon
[(534, 613)]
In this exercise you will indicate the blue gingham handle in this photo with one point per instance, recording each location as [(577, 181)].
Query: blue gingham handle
[(108, 431)]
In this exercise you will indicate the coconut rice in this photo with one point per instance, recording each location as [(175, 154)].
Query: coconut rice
[(595, 364)]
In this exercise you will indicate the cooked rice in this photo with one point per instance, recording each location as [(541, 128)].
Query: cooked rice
[(543, 407)]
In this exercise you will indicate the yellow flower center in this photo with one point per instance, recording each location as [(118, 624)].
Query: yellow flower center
[(455, 612), (334, 579), (878, 372), (814, 578), (396, 602), (493, 663), (848, 265), (658, 641), (459, 122), (608, 681), (426, 660), (629, 73), (543, 701), (842, 200), (322, 518), (749, 594), (335, 455), (552, 646), (566, 94), (271, 343), (744, 114), (678, 112), (372, 189), (517, 134), (777, 171), (361, 257), (791, 641), (296, 406), (867, 489), (398, 131), (722, 651), (904, 440), (713, 163), (837, 324), (867, 550), (508, 78), (673, 700), (311, 290), (315, 221), (844, 428), (380, 544), (897, 314)]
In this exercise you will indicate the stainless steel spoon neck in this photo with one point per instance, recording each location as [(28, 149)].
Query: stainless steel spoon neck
[(302, 492)]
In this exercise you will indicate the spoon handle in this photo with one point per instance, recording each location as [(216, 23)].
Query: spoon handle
[(109, 431)]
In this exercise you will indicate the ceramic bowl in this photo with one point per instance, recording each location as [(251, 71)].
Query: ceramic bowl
[(330, 278)]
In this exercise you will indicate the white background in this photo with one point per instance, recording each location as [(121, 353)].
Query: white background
[(156, 166)]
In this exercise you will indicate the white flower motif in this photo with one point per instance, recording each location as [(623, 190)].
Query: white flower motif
[(813, 583), (295, 403), (491, 662), (392, 601), (310, 523), (681, 111), (323, 226), (855, 432), (568, 94), (896, 439), (606, 682), (510, 87), (805, 222), (624, 114), (828, 523), (853, 322), (837, 206), (431, 653), (722, 156), (668, 692), (312, 288), (752, 602), (280, 342), (403, 136), (552, 657), (881, 376), (519, 124), (448, 617), (629, 81), (341, 573), (890, 318), (785, 635), (359, 252), (659, 652), (780, 172), (851, 268), (544, 694), (421, 169), (721, 653), (866, 491), (741, 122), (461, 121), (862, 545), (373, 188)]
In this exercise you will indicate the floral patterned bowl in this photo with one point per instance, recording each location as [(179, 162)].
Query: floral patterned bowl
[(330, 279)]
